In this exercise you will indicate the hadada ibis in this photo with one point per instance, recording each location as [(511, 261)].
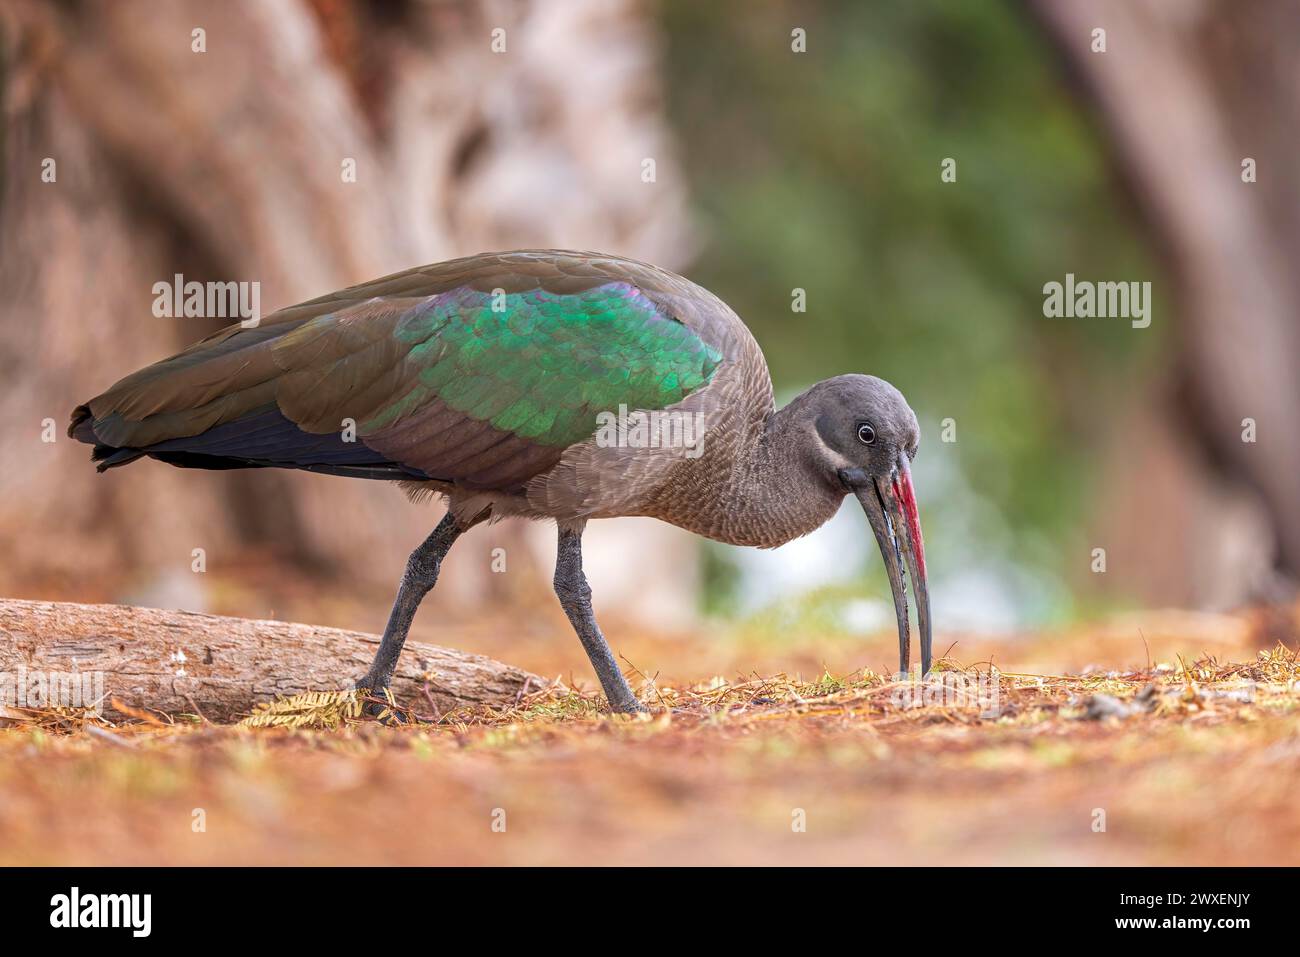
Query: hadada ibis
[(487, 379)]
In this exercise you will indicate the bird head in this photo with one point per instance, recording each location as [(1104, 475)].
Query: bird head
[(865, 436)]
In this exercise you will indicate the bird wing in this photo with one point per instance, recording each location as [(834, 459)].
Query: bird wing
[(476, 372)]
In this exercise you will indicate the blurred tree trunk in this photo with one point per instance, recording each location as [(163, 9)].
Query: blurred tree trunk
[(228, 165), (1187, 92)]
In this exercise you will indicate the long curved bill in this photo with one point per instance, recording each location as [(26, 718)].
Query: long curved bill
[(890, 505)]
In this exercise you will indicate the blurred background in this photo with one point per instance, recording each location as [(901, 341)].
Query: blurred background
[(796, 146)]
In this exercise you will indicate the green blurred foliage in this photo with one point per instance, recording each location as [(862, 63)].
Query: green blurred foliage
[(821, 170)]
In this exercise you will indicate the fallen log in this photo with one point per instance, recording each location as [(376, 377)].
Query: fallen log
[(181, 662)]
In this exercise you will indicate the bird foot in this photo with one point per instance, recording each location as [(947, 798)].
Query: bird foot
[(628, 706), (379, 703)]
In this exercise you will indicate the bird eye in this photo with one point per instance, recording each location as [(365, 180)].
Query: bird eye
[(866, 434)]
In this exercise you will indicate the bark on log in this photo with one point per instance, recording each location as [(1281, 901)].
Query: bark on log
[(229, 664)]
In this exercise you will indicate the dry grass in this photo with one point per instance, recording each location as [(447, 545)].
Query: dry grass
[(1191, 761)]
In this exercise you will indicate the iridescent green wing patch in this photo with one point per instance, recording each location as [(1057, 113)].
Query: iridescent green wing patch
[(541, 365)]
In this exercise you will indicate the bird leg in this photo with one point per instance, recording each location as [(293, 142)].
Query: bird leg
[(575, 598), (419, 578)]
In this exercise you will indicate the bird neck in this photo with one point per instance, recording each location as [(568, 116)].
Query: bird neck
[(762, 492), (780, 492)]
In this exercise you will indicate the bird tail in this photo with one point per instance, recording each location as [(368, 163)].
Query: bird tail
[(213, 406), (82, 428)]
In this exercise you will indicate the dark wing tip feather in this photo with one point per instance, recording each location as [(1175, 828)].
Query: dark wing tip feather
[(265, 439), (109, 457), (81, 426)]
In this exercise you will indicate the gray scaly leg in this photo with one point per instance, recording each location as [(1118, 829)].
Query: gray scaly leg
[(419, 578), (575, 598)]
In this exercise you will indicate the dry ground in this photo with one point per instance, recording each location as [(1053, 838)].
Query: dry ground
[(1191, 758)]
